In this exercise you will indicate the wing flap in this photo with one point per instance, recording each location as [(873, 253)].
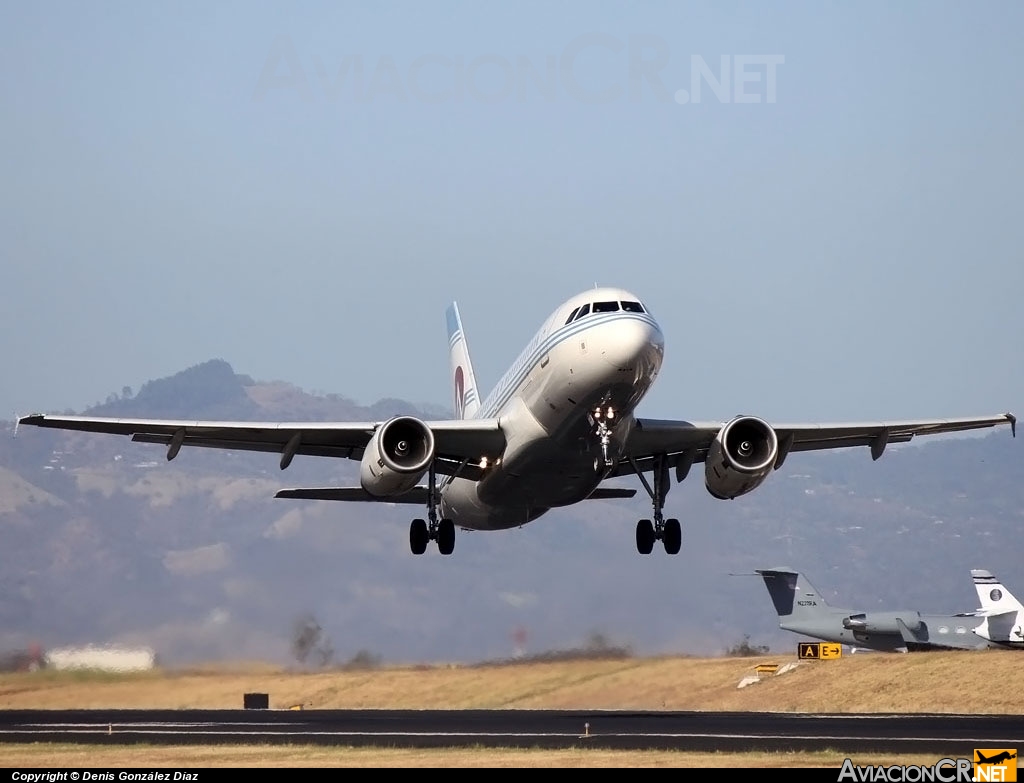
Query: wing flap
[(668, 436), (231, 444)]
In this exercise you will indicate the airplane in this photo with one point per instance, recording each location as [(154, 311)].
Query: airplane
[(559, 423), (1003, 614), (802, 609), (1005, 755)]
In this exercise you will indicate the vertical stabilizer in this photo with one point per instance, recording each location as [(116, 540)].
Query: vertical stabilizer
[(993, 596), (466, 397), (794, 597)]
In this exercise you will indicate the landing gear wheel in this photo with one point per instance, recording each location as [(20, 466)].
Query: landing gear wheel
[(672, 536), (418, 536), (446, 536), (644, 536)]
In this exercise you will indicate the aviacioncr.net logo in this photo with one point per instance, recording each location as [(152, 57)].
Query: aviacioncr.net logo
[(943, 771), (995, 764)]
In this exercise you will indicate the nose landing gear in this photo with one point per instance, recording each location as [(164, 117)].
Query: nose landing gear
[(602, 417)]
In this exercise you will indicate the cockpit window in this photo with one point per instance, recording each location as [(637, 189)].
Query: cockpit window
[(632, 307), (585, 310), (605, 307), (572, 315)]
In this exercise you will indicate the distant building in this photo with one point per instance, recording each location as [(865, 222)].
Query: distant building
[(96, 658), (28, 660)]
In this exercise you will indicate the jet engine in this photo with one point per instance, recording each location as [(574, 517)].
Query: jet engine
[(740, 457), (396, 457), (883, 623)]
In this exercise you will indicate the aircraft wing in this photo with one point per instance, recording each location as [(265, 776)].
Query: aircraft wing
[(683, 443), (460, 444), (908, 635)]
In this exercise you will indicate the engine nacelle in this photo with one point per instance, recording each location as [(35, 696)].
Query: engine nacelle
[(396, 457), (883, 622), (740, 457)]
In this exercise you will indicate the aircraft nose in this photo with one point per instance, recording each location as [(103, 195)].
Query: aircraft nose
[(633, 341)]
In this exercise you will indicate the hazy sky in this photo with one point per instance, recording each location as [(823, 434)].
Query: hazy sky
[(832, 231)]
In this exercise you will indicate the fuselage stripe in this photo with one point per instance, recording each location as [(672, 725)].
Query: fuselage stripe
[(526, 362)]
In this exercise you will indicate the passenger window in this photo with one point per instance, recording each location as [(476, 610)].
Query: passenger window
[(572, 315), (605, 307), (632, 307), (585, 310)]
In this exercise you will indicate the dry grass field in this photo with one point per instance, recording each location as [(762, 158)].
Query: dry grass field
[(954, 682), (975, 682)]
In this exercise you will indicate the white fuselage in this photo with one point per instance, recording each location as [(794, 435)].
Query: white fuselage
[(546, 401)]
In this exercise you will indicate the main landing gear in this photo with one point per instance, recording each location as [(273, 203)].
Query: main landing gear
[(421, 532), (668, 530)]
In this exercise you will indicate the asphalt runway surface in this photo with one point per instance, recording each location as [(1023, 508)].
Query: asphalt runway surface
[(945, 735)]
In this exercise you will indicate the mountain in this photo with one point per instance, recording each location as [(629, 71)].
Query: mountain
[(107, 542)]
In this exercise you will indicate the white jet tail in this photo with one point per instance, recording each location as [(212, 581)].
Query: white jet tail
[(466, 395), (993, 596)]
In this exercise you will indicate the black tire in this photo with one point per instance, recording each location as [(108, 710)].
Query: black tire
[(644, 536), (418, 536), (672, 537), (446, 537)]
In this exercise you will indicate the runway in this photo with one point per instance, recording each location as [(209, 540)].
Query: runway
[(943, 735)]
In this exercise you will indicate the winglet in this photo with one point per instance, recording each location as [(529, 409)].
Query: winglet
[(32, 418), (1013, 424)]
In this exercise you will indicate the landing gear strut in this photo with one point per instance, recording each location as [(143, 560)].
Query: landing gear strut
[(421, 532), (668, 530), (601, 418)]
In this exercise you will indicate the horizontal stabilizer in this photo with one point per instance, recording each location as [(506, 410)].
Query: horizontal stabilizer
[(777, 571), (609, 493), (990, 614), (416, 495)]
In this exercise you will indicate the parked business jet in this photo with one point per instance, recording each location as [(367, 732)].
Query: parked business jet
[(559, 423), (803, 610)]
